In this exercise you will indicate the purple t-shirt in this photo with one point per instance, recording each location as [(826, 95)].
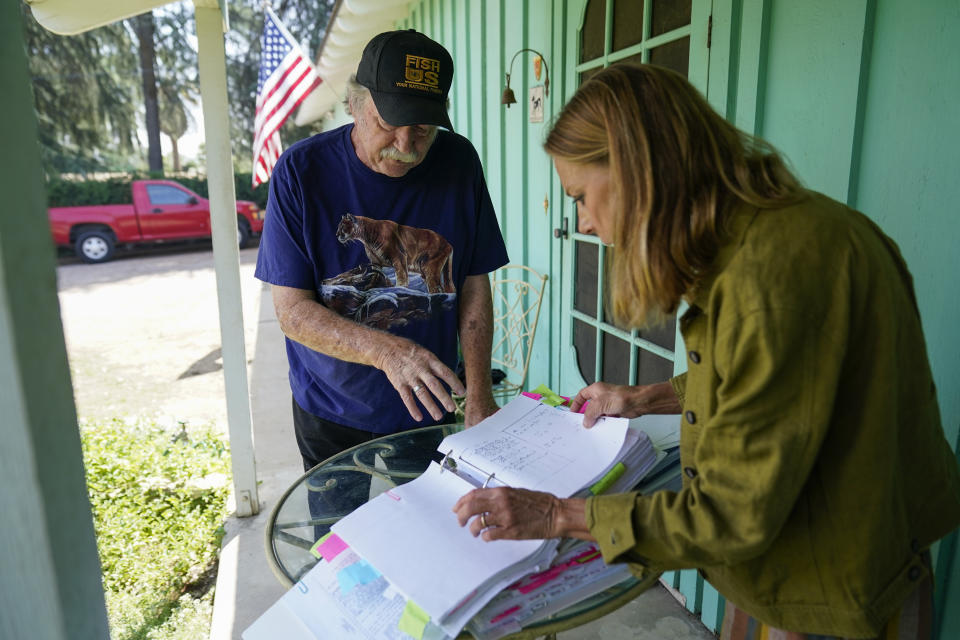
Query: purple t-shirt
[(390, 253)]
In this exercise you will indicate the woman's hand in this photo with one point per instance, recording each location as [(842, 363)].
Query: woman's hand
[(519, 514), (624, 401)]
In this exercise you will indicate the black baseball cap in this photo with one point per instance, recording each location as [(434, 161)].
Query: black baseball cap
[(409, 76)]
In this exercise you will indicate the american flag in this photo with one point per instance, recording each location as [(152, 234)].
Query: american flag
[(286, 78)]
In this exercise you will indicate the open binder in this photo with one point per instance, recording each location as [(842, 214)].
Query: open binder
[(406, 546), (411, 535)]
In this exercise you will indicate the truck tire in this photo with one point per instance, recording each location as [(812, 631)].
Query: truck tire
[(243, 233), (95, 246)]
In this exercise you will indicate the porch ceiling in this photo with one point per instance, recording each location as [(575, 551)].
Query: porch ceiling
[(69, 17), (352, 24)]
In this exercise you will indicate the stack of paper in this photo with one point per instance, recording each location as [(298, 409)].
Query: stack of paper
[(343, 597), (404, 551), (576, 574)]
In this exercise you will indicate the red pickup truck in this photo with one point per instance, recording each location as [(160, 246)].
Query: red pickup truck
[(162, 211)]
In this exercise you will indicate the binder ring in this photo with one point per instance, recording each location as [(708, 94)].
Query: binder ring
[(448, 462)]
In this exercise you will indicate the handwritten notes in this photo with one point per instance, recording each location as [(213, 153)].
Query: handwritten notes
[(534, 446)]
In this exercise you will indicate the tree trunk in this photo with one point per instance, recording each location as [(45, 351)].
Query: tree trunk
[(144, 27), (176, 154)]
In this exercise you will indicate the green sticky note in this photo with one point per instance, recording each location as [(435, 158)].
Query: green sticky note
[(413, 621), (544, 390), (550, 397), (608, 479), (553, 401), (315, 549)]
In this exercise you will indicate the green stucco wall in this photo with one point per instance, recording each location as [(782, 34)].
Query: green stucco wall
[(908, 182)]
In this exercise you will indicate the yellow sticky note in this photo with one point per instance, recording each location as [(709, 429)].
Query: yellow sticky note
[(413, 621), (608, 479)]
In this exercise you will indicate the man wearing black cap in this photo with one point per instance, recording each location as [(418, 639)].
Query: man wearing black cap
[(378, 240)]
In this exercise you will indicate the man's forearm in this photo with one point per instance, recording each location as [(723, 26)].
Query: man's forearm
[(313, 325), (476, 333)]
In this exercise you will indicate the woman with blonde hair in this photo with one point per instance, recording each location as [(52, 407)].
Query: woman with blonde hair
[(815, 470)]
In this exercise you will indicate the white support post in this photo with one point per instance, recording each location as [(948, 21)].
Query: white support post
[(226, 255)]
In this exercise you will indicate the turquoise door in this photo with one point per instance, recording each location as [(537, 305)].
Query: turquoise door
[(673, 34)]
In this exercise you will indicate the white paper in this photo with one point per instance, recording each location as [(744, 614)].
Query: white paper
[(512, 608), (664, 430), (533, 446), (319, 607), (411, 534)]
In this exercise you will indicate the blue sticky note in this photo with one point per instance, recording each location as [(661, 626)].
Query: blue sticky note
[(359, 572)]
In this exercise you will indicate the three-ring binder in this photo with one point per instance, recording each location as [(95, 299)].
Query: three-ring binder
[(449, 462)]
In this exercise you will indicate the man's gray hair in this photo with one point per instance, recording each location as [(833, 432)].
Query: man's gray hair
[(356, 96)]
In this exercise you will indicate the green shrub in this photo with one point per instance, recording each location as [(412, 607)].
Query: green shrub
[(68, 192), (159, 503)]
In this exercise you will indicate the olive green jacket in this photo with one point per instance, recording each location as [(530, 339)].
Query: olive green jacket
[(815, 469)]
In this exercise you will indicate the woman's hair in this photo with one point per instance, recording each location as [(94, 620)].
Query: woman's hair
[(676, 168)]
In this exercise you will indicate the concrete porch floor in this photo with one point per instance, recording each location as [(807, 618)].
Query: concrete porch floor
[(246, 586)]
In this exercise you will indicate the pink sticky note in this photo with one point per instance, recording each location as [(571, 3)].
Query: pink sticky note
[(583, 407), (331, 547), (503, 615), (530, 394)]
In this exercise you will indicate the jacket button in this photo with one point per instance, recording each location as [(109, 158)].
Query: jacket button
[(691, 417), (690, 471), (695, 357), (915, 545), (914, 573)]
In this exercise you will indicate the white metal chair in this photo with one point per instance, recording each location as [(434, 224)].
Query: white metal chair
[(517, 293)]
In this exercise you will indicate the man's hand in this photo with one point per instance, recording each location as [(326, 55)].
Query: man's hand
[(418, 375), (415, 372), (478, 408), (624, 401)]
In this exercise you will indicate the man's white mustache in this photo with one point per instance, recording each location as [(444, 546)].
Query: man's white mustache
[(392, 153)]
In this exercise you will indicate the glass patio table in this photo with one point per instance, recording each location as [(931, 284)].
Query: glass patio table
[(335, 487)]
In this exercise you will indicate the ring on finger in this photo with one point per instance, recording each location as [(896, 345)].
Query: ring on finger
[(483, 520), (417, 388)]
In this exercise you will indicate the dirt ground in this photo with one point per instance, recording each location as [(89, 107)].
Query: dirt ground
[(143, 333)]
